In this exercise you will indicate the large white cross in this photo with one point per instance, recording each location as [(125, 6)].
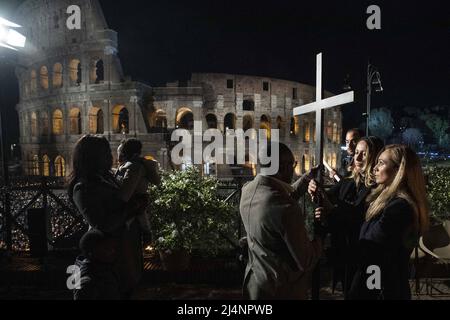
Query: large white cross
[(319, 106)]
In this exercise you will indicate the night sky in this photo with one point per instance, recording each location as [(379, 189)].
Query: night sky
[(161, 41)]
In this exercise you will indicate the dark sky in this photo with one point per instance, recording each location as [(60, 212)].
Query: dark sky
[(163, 41)]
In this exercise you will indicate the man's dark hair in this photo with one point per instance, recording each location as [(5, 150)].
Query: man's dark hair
[(358, 133), (90, 240), (283, 151), (131, 147)]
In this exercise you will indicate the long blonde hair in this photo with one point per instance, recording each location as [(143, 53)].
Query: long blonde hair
[(374, 146), (409, 184)]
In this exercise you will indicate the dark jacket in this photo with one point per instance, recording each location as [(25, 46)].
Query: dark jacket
[(98, 200), (280, 253), (344, 224), (98, 281), (386, 241)]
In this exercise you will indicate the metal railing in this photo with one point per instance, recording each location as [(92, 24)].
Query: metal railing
[(64, 223)]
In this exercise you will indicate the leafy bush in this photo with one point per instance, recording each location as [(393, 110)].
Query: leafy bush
[(439, 192), (187, 213)]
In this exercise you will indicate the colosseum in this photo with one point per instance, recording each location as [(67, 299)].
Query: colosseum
[(71, 83)]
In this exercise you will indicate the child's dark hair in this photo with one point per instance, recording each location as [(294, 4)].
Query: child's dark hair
[(131, 147)]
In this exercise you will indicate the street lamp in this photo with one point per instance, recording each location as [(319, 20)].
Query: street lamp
[(10, 39), (373, 79)]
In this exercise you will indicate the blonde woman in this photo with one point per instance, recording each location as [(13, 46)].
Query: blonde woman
[(344, 210), (396, 216)]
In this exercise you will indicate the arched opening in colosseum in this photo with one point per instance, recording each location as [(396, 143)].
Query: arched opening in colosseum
[(157, 121), (313, 161), (266, 125), (75, 121), (33, 82), (120, 119), (229, 122), (247, 122), (45, 123), (57, 75), (314, 131), (185, 119), (305, 163), (44, 77), (34, 124), (211, 120), (45, 166), (75, 71), (97, 71), (96, 121), (248, 105), (295, 126), (335, 133), (306, 132), (298, 167), (58, 126), (60, 167), (329, 131), (334, 160), (34, 168), (280, 126)]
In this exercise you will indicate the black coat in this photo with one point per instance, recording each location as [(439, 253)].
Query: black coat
[(386, 241), (344, 224)]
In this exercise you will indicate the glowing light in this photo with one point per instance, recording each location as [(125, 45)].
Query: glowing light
[(10, 38)]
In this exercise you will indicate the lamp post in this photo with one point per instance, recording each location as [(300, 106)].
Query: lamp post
[(373, 78), (10, 39)]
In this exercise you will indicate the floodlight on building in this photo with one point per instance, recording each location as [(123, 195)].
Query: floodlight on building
[(10, 38)]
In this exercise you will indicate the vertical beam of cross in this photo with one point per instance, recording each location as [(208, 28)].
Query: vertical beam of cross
[(318, 107)]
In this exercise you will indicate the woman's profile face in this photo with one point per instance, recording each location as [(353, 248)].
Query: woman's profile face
[(385, 170), (360, 157)]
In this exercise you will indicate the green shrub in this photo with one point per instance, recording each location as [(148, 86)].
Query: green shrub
[(439, 192), (187, 213)]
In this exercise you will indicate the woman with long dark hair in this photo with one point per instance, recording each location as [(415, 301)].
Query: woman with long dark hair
[(96, 194)]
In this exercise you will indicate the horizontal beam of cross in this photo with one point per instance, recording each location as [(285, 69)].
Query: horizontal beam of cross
[(334, 101)]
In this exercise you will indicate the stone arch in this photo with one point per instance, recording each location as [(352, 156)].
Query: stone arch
[(335, 133), (34, 168), (295, 126), (211, 121), (229, 122), (157, 120), (75, 71), (75, 121), (34, 124), (305, 163), (45, 166), (120, 119), (57, 75), (58, 123), (247, 122), (45, 123), (280, 126), (96, 124), (43, 77), (60, 167), (329, 131), (97, 71), (306, 132), (265, 124), (33, 81), (185, 119)]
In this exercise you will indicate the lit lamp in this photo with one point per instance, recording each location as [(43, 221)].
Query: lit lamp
[(373, 80), (10, 39)]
